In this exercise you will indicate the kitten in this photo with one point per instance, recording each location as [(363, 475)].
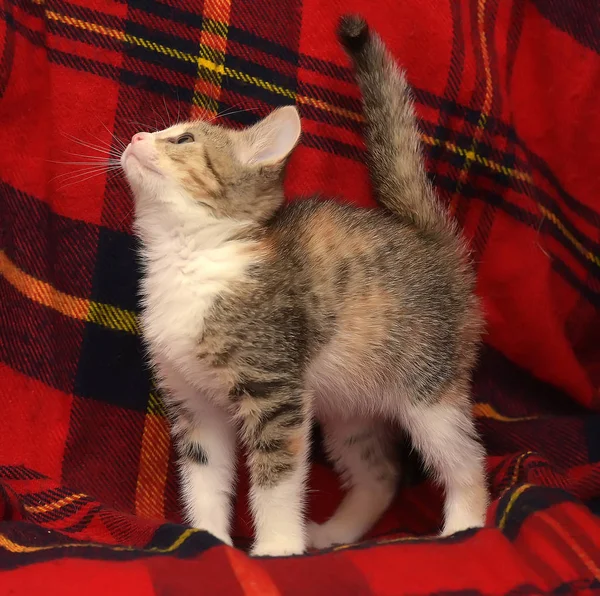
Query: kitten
[(260, 316)]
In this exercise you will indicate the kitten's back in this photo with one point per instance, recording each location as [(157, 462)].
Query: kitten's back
[(385, 303)]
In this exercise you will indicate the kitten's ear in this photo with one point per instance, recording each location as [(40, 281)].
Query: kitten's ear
[(271, 140)]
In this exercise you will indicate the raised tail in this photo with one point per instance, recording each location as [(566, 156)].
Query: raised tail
[(394, 150)]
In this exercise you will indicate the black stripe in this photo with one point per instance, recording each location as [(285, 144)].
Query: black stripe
[(256, 389), (84, 522), (192, 451), (535, 498), (266, 445), (335, 146), (212, 169), (84, 64), (192, 547), (8, 53), (19, 473), (332, 146), (288, 414), (529, 219), (470, 115)]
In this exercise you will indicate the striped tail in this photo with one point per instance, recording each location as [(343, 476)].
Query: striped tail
[(392, 137)]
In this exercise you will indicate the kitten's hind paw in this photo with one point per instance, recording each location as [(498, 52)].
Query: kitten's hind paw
[(278, 548), (326, 535)]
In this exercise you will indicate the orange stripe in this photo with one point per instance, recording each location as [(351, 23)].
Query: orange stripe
[(217, 10), (487, 104), (205, 101), (486, 410), (571, 541), (213, 40), (253, 579), (42, 292), (54, 505), (154, 464)]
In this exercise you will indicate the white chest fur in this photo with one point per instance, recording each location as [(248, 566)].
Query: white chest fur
[(186, 267)]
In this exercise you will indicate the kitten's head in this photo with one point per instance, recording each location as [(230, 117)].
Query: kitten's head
[(201, 167)]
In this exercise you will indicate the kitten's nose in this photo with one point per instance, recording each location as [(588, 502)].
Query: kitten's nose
[(140, 136)]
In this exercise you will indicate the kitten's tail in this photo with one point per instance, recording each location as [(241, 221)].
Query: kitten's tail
[(392, 136)]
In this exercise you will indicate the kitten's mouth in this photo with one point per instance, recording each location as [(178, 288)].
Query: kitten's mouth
[(129, 155)]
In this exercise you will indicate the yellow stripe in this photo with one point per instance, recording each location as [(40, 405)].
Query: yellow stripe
[(54, 505), (217, 27), (386, 541), (115, 318), (112, 317), (470, 154), (246, 78), (14, 547), (515, 475), (78, 308), (156, 405), (485, 410), (511, 502), (582, 249)]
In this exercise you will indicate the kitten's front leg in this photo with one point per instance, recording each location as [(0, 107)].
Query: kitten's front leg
[(276, 428), (205, 441)]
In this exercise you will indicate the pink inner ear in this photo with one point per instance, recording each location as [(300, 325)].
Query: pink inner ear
[(274, 137)]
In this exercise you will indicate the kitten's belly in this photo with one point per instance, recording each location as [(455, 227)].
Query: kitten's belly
[(346, 383)]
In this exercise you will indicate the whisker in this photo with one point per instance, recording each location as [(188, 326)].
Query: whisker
[(81, 180), (143, 125), (126, 217), (160, 116), (88, 145), (109, 146), (114, 174), (178, 106), (102, 143), (71, 174), (115, 157), (229, 114), (96, 163), (112, 134), (224, 112), (167, 111), (78, 173)]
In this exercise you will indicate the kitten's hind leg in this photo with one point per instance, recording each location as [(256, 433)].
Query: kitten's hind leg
[(362, 451), (444, 433)]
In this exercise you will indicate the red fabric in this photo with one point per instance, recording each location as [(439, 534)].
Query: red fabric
[(508, 97)]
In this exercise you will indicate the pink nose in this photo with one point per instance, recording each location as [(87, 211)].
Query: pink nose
[(140, 136)]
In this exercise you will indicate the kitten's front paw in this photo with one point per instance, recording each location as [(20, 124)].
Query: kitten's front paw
[(222, 536), (460, 523), (280, 547)]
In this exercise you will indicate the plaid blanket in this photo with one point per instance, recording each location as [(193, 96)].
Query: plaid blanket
[(507, 93)]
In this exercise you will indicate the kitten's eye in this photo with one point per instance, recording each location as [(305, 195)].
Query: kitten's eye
[(186, 137)]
